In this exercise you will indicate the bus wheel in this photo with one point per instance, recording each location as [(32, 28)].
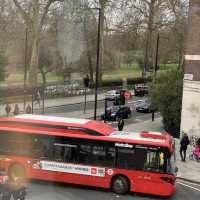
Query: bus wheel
[(17, 175), (120, 185)]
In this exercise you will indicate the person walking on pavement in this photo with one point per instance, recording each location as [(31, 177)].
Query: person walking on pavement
[(37, 98), (7, 109), (183, 146), (28, 109), (120, 124), (16, 110)]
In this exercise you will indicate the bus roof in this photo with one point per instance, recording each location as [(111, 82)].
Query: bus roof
[(89, 126), (122, 138), (149, 137)]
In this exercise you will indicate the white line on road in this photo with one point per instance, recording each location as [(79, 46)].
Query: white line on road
[(189, 186), (137, 101), (190, 183)]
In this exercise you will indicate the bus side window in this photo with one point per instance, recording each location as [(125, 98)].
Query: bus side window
[(98, 156), (84, 154), (71, 153), (58, 153), (110, 157), (41, 147), (125, 158)]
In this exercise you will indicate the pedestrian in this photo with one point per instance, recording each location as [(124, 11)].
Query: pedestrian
[(142, 91), (28, 109), (16, 110), (7, 109), (183, 146), (37, 98), (120, 124)]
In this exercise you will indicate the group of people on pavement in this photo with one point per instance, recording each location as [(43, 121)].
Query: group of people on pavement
[(16, 110), (28, 110), (184, 142)]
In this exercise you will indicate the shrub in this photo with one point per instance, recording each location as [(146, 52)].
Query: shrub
[(166, 97)]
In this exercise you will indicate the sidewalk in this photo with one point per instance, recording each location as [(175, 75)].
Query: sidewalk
[(189, 170), (54, 102)]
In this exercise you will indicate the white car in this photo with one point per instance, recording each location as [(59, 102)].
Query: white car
[(112, 94)]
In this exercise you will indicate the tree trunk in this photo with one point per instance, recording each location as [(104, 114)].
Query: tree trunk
[(34, 63), (44, 80), (148, 47), (90, 67)]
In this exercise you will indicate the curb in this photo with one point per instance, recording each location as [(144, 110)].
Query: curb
[(188, 180), (69, 104)]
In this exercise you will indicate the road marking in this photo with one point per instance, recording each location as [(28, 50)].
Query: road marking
[(138, 120), (189, 186), (190, 183)]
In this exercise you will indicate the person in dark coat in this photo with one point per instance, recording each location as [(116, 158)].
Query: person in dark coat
[(120, 124), (28, 109), (183, 146), (16, 110), (7, 109)]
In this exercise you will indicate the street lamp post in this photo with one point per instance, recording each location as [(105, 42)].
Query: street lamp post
[(157, 49), (156, 67), (97, 63), (25, 66)]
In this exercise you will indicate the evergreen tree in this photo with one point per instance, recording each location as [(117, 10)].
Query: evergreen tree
[(166, 97)]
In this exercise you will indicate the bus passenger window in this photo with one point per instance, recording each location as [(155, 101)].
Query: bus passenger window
[(110, 157), (58, 153), (71, 153), (125, 158), (98, 156), (84, 154)]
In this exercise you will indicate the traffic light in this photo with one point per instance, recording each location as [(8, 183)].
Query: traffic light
[(86, 81)]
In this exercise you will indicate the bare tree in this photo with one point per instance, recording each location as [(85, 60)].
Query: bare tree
[(34, 13)]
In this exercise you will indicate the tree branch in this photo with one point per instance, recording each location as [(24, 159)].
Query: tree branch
[(23, 12), (46, 9)]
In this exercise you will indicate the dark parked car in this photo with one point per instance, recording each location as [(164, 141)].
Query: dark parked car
[(144, 107), (116, 112)]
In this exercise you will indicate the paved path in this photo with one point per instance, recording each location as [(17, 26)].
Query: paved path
[(55, 102)]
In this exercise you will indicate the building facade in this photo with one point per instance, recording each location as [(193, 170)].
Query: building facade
[(190, 118)]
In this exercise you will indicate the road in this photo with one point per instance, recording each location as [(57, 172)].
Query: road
[(52, 191), (66, 110), (80, 106)]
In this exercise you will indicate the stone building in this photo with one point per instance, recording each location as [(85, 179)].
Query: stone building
[(190, 119)]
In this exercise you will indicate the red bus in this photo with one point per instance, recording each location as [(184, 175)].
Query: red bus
[(87, 152)]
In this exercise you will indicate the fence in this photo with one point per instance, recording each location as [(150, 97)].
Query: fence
[(193, 140)]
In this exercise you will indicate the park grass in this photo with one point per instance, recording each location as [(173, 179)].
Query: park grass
[(125, 71), (122, 73), (19, 78)]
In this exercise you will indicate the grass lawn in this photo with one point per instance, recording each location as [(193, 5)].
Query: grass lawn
[(19, 78), (125, 71)]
